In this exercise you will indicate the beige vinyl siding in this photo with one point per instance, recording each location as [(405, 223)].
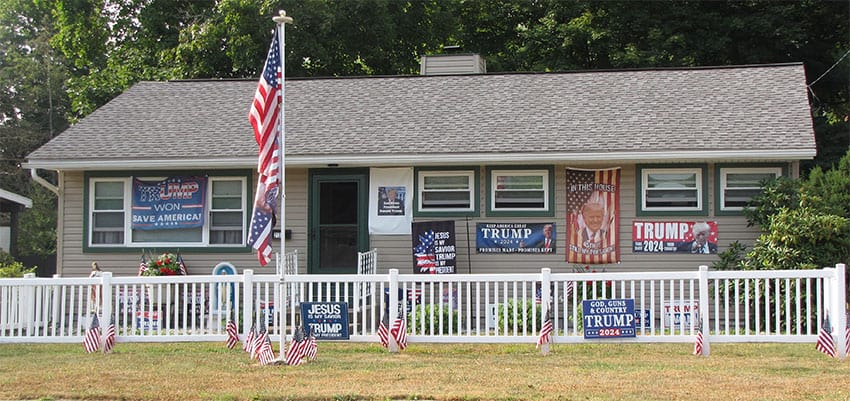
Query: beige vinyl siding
[(394, 251), (75, 263)]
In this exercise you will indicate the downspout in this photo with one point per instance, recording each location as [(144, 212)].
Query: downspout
[(57, 190)]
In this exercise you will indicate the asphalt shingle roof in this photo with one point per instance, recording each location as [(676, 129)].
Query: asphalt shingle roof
[(751, 108)]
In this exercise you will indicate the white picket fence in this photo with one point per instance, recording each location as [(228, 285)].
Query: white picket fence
[(730, 306)]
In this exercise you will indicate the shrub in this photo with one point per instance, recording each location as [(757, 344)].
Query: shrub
[(440, 315), (9, 267), (532, 314)]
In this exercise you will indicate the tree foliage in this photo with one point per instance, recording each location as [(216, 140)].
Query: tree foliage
[(806, 223)]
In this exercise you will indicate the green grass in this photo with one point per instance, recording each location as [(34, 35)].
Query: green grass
[(353, 371)]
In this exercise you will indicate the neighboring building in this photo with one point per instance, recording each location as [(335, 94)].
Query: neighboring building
[(11, 204), (691, 145)]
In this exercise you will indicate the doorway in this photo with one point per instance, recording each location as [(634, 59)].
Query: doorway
[(338, 220)]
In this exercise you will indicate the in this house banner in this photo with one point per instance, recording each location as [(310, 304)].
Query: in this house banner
[(175, 202), (593, 211), (434, 250), (390, 200)]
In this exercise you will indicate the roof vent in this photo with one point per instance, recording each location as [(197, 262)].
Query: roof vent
[(454, 63)]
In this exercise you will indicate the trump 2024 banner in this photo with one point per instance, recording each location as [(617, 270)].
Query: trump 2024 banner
[(434, 247), (674, 237), (175, 202), (593, 211)]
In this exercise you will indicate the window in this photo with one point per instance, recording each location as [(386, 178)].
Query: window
[(740, 184), (107, 212), (520, 190), (110, 214), (672, 189), (446, 191)]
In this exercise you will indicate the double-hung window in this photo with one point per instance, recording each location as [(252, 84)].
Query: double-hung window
[(447, 192), (680, 190), (738, 185), (520, 192), (110, 214)]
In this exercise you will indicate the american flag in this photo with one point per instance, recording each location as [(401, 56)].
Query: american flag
[(825, 342), (232, 334), (312, 347), (546, 330), (263, 116), (399, 332), (182, 264), (699, 340), (384, 331), (266, 355), (143, 265), (297, 349), (425, 256), (91, 342), (570, 287), (581, 185), (109, 340), (249, 340), (258, 343)]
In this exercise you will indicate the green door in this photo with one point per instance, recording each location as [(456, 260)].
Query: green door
[(338, 221)]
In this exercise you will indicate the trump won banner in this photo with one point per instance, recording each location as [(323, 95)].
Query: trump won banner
[(176, 202), (593, 211)]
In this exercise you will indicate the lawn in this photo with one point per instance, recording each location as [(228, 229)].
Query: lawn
[(354, 371)]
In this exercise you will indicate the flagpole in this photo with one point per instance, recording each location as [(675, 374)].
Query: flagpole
[(281, 20)]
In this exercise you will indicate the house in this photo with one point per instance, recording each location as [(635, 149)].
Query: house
[(11, 204), (501, 157)]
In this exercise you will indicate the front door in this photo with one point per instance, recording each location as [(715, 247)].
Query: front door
[(338, 222)]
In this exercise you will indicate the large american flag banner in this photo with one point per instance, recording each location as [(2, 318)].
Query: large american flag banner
[(593, 210), (263, 116), (91, 341)]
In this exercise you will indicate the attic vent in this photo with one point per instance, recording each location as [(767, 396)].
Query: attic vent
[(447, 64)]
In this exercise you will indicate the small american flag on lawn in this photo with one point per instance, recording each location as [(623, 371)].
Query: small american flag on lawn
[(297, 349), (249, 340), (312, 347), (546, 330), (232, 334), (384, 331), (109, 341), (266, 354), (399, 332), (698, 343), (825, 342), (258, 343), (91, 342)]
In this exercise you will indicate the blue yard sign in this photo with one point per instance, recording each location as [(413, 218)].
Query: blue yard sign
[(608, 318), (326, 320)]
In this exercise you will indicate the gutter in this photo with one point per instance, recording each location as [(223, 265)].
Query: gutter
[(41, 181), (431, 159)]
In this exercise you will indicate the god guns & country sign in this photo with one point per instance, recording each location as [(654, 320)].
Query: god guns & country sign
[(608, 318)]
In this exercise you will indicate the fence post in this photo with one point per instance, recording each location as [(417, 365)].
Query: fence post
[(839, 305), (56, 297), (247, 300), (29, 306), (545, 295), (106, 299), (393, 305), (704, 305)]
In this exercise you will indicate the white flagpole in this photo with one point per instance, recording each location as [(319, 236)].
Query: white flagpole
[(281, 21)]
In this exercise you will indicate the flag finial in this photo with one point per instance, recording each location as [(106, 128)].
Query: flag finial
[(282, 18)]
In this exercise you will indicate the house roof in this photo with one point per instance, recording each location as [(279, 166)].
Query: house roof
[(11, 197), (686, 114)]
